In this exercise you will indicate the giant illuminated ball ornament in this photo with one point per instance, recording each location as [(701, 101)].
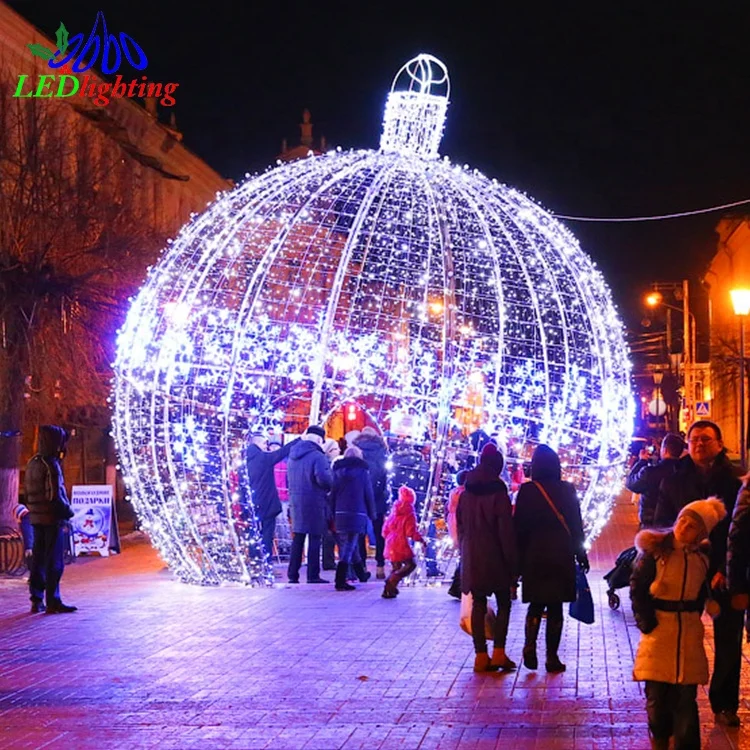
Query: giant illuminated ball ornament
[(435, 300)]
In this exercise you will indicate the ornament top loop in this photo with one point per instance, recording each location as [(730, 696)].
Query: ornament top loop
[(415, 116)]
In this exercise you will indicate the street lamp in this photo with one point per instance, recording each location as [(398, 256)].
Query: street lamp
[(653, 299), (657, 410), (741, 305)]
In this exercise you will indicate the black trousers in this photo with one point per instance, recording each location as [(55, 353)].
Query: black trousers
[(267, 533), (377, 526), (47, 562), (329, 545), (478, 615), (313, 557), (673, 711), (724, 692)]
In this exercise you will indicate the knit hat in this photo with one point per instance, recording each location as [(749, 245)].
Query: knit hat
[(492, 459), (313, 429), (406, 494), (709, 512)]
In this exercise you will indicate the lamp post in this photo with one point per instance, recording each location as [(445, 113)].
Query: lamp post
[(741, 305), (658, 401), (690, 354)]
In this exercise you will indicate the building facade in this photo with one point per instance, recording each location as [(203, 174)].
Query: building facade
[(125, 183), (729, 269)]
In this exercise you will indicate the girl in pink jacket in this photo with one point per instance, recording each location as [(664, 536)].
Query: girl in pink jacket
[(398, 529)]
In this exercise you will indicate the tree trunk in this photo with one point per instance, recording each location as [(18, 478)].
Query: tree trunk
[(12, 388)]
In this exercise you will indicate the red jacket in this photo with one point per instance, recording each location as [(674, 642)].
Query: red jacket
[(400, 526)]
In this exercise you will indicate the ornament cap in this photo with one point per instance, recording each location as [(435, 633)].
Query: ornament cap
[(415, 116)]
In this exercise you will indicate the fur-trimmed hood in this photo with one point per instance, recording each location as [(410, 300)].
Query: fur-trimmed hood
[(658, 542)]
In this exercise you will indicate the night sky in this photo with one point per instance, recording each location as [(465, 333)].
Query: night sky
[(592, 110)]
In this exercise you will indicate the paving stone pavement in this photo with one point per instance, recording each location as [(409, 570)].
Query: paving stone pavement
[(150, 662)]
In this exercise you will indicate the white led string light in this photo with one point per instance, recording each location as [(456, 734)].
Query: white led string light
[(388, 278)]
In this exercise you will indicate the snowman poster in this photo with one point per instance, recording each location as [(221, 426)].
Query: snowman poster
[(91, 524)]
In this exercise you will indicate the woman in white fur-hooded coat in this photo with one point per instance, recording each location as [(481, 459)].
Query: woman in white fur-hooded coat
[(668, 589)]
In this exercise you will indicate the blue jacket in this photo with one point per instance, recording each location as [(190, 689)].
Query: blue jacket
[(309, 480), (352, 496), (261, 479), (375, 453)]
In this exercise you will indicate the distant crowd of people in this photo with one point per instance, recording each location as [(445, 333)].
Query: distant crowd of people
[(341, 493)]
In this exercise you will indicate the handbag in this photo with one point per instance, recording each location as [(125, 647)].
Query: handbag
[(582, 609), (467, 603)]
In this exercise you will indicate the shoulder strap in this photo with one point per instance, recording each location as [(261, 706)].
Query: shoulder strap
[(559, 515)]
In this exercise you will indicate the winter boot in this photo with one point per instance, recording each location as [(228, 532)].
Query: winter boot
[(553, 635), (482, 662), (530, 660), (390, 591), (341, 584), (455, 589), (361, 572)]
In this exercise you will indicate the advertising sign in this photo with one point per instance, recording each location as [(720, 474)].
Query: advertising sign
[(93, 522)]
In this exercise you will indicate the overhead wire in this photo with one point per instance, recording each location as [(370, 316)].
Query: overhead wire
[(660, 217)]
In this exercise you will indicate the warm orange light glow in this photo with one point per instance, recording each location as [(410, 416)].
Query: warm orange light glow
[(741, 301), (653, 299), (436, 307)]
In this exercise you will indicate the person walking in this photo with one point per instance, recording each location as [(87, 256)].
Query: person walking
[(261, 464), (49, 512), (645, 478), (398, 529), (484, 520), (309, 480), (375, 453), (668, 592), (550, 538), (352, 503), (707, 472)]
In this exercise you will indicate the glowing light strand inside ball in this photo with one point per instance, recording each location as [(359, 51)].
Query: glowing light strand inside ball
[(423, 291)]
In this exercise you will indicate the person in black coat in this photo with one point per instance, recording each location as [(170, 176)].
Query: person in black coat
[(484, 518), (49, 512), (375, 453), (707, 472), (309, 480), (262, 483), (644, 478), (549, 530), (352, 504)]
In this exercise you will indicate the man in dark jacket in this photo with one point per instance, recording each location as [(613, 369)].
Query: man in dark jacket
[(707, 472), (645, 478), (49, 511), (375, 453), (309, 480), (260, 477)]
